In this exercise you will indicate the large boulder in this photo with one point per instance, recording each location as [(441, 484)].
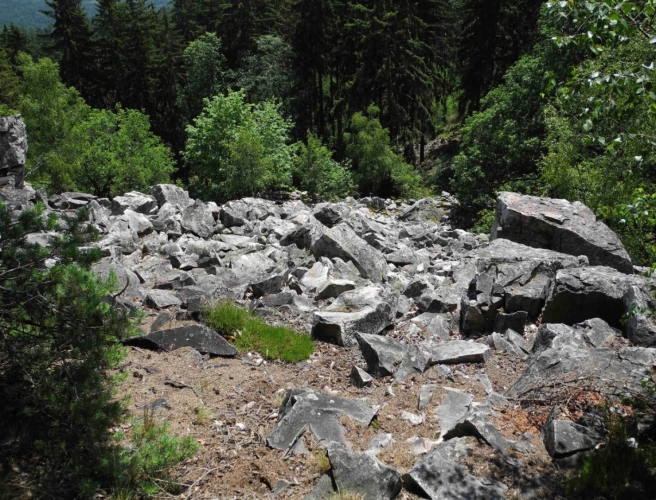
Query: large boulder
[(170, 193), (13, 150), (341, 241), (198, 219), (559, 225), (592, 292)]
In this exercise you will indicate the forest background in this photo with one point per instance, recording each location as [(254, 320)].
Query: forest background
[(369, 97)]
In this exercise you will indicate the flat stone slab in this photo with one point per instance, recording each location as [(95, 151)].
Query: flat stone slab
[(307, 410), (437, 476), (456, 351), (361, 474), (559, 225), (453, 409), (563, 438), (199, 337), (161, 299)]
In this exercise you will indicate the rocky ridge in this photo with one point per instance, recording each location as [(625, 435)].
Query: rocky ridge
[(403, 293)]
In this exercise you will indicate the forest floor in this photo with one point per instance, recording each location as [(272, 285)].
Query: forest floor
[(230, 406)]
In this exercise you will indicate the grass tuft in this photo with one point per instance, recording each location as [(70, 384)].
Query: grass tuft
[(250, 333)]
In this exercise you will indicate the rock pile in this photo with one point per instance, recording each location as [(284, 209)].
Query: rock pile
[(397, 283)]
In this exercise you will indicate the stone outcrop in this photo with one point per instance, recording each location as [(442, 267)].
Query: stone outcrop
[(408, 298), (13, 151), (559, 225)]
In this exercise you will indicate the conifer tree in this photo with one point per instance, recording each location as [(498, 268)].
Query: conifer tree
[(71, 42)]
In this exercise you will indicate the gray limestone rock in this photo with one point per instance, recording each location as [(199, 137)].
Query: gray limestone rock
[(306, 410), (271, 284), (640, 326), (341, 241), (170, 193), (360, 378), (199, 337), (557, 335), (138, 223), (453, 409), (438, 476), (563, 438), (445, 299), (161, 299), (135, 201), (428, 209), (330, 214), (514, 321), (597, 332), (590, 292), (456, 351), (13, 150), (198, 219), (559, 225), (333, 288), (362, 474), (425, 395), (386, 356)]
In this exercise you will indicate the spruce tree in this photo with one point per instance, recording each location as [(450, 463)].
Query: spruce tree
[(72, 43)]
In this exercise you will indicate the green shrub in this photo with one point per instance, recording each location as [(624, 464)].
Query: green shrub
[(59, 352), (379, 170), (235, 148), (143, 465), (119, 153), (319, 174), (618, 470), (250, 333)]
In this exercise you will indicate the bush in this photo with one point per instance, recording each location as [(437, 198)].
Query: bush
[(119, 153), (378, 169), (503, 142), (250, 333), (620, 469), (236, 149), (318, 174), (59, 349)]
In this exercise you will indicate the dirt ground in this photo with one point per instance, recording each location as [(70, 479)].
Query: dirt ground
[(231, 405)]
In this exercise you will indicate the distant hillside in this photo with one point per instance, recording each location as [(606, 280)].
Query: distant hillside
[(26, 12)]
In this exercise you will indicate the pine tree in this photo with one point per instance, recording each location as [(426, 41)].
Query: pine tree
[(495, 33), (107, 42), (71, 43)]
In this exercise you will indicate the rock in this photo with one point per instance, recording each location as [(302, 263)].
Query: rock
[(307, 233), (551, 335), (13, 151), (435, 325), (271, 284), (160, 322), (379, 442), (563, 439), (138, 223), (510, 342), (169, 193), (340, 241), (445, 299), (382, 354), (424, 210), (559, 225), (412, 418), (425, 395), (373, 314), (304, 409), (475, 423), (160, 299), (597, 332), (199, 337), (640, 326), (453, 409), (360, 378), (514, 321), (333, 288), (198, 219), (239, 212), (361, 474), (330, 214), (439, 477), (322, 490), (590, 292), (406, 256), (317, 276), (70, 201), (456, 351), (135, 201)]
